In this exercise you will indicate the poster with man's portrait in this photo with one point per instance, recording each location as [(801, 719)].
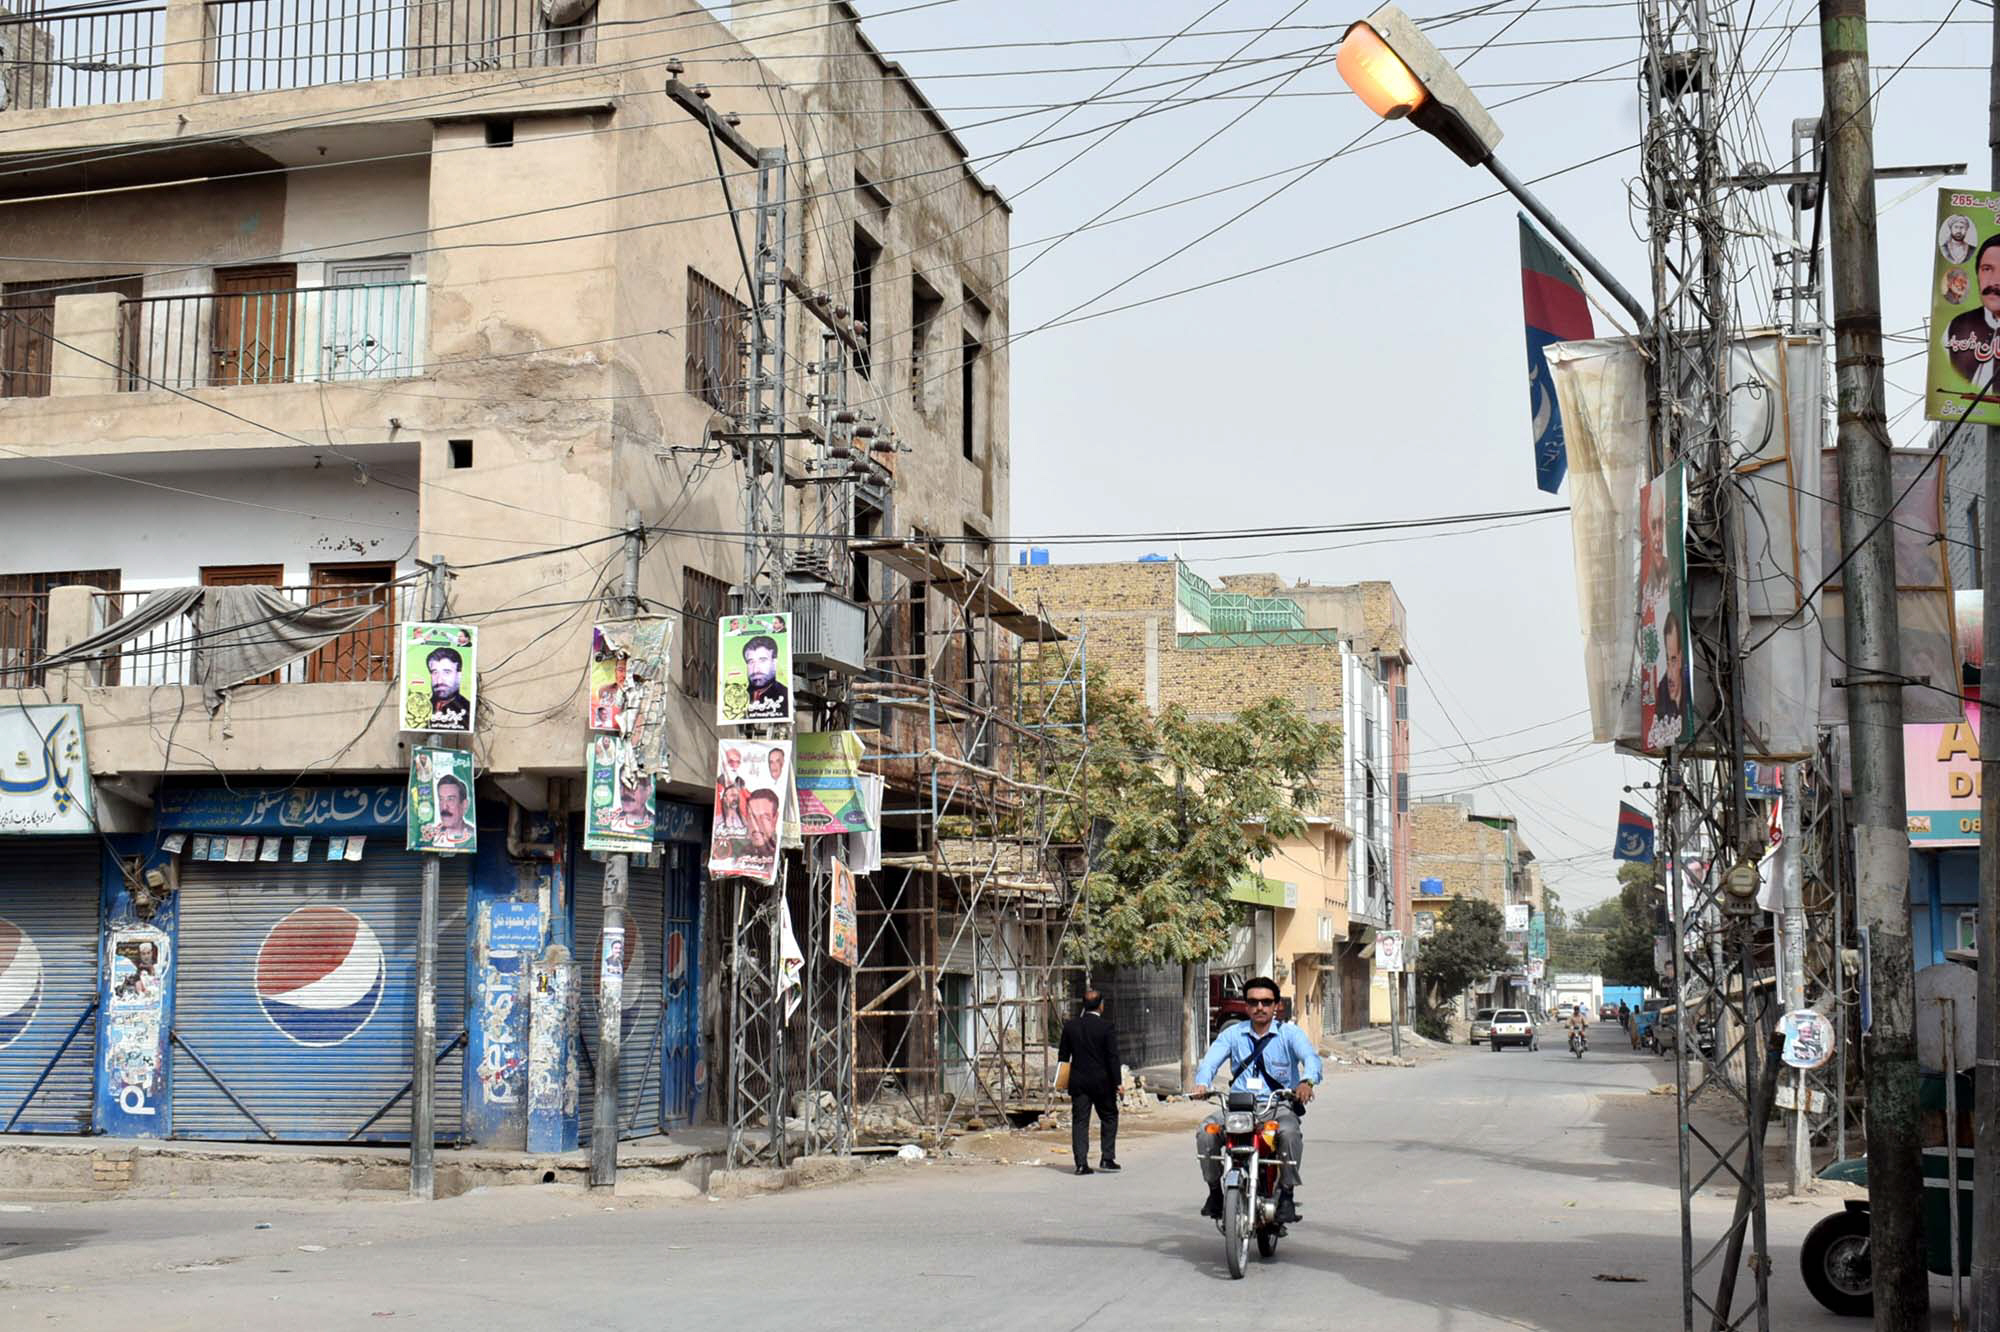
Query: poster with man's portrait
[(753, 787), (1663, 661), (437, 675), (1965, 310), (756, 669), (440, 814), (621, 808)]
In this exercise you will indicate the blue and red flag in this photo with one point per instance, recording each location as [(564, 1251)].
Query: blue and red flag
[(1635, 835), (1553, 305)]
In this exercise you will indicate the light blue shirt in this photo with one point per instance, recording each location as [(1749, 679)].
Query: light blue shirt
[(1289, 1057)]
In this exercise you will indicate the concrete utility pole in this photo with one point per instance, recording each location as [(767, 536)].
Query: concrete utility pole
[(610, 980), (1875, 682), (423, 1058), (1986, 1079)]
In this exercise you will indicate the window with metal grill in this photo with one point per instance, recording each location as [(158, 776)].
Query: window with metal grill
[(704, 601), (715, 330), (24, 620)]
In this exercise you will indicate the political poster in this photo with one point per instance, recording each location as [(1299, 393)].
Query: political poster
[(438, 676), (1662, 662), (628, 683), (1965, 310), (829, 784), (753, 783), (440, 815), (1389, 950), (843, 939), (756, 669), (620, 807)]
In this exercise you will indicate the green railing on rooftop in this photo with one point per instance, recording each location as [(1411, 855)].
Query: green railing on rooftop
[(1194, 592), (1234, 613)]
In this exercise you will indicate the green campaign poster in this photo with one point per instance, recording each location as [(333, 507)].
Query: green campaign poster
[(438, 674), (440, 814), (756, 668), (1965, 310)]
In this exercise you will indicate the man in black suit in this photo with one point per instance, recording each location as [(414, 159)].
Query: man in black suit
[(1090, 1047)]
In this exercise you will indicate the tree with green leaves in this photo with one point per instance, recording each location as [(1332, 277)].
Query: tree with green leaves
[(1470, 942), (1186, 807)]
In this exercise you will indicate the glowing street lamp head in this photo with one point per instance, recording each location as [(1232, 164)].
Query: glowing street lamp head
[(1400, 74), (1377, 74)]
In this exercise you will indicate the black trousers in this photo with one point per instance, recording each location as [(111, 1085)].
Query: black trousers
[(1080, 1106)]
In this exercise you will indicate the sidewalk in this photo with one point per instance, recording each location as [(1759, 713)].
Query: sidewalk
[(48, 1167)]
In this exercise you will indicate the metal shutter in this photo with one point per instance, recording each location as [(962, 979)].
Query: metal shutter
[(640, 1051), (680, 970), (296, 987), (48, 983)]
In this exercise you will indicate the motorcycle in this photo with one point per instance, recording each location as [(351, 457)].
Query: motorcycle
[(1576, 1044), (1250, 1176)]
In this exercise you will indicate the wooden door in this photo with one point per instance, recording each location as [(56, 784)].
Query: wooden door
[(245, 575), (250, 331), (366, 652)]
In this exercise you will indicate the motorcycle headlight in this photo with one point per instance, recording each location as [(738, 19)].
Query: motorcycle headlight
[(1238, 1122)]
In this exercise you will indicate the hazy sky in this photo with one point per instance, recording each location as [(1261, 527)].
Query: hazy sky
[(1385, 379)]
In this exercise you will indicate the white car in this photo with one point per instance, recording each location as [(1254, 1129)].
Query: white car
[(1512, 1026)]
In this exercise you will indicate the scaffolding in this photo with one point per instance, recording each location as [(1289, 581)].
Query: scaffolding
[(980, 730)]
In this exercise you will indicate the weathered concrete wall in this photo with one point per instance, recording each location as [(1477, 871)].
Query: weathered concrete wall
[(554, 342), (1471, 857)]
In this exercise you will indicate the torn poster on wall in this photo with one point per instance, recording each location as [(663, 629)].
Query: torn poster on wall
[(628, 684)]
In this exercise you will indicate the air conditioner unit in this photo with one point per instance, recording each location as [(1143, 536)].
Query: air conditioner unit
[(828, 631)]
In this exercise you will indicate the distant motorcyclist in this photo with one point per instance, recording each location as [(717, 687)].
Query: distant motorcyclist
[(1264, 1055), (1624, 1015), (1579, 1025)]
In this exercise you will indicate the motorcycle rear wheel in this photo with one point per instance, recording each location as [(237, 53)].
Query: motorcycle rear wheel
[(1267, 1243), (1236, 1230)]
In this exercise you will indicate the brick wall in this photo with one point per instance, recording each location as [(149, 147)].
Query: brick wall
[(1470, 857)]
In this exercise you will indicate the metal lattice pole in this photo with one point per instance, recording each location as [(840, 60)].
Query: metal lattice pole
[(756, 1033), (1707, 803)]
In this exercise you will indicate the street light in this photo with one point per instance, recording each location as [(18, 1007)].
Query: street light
[(1396, 71)]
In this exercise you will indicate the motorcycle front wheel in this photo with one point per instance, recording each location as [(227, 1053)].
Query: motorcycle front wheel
[(1236, 1229)]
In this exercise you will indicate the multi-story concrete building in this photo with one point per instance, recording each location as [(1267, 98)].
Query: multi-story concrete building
[(1458, 853), (321, 301), (1164, 632)]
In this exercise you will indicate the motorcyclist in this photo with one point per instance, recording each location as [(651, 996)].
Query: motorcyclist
[(1624, 1015), (1579, 1025), (1264, 1054)]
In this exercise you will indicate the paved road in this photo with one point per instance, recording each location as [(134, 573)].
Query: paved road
[(1477, 1191)]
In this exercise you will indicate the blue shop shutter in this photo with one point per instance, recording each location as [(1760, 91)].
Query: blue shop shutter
[(297, 990), (680, 971), (639, 1072), (48, 982)]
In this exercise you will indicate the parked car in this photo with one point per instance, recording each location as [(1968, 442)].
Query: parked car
[(1512, 1026), (1608, 1013), (1646, 1024), (1482, 1026)]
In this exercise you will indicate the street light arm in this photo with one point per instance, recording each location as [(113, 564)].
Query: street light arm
[(1563, 237)]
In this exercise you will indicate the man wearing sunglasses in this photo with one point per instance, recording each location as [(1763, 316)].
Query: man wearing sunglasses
[(1264, 1055)]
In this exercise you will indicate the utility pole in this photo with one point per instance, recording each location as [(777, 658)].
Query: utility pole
[(1986, 1077), (423, 1058), (610, 980), (1792, 965), (1874, 687)]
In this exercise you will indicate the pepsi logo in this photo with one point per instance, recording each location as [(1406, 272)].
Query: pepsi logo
[(20, 981), (320, 975), (676, 967)]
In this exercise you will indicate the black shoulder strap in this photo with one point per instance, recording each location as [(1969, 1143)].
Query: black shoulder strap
[(1256, 1059)]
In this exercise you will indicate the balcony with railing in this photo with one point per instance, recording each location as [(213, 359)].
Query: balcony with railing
[(55, 56), (64, 55), (168, 653), (312, 335)]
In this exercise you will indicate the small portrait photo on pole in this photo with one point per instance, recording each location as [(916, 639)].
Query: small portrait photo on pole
[(1956, 287), (440, 802)]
